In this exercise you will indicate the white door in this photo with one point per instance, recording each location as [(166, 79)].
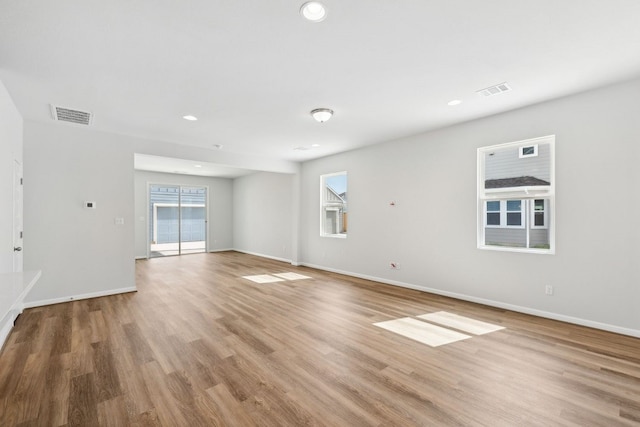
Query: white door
[(17, 216)]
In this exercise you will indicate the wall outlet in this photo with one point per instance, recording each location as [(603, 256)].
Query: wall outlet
[(548, 290), (394, 265)]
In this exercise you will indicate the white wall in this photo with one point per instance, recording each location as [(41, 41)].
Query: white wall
[(263, 215), (220, 219), (431, 231), (10, 150), (80, 251)]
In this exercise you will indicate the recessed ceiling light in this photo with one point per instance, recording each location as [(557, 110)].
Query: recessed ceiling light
[(315, 145), (190, 118), (454, 102), (313, 11), (197, 166)]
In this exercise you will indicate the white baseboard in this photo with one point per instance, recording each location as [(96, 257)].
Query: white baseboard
[(26, 279), (263, 255), (517, 308), (5, 330), (221, 250), (41, 303)]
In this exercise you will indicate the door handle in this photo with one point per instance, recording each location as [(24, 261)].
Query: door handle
[(18, 249)]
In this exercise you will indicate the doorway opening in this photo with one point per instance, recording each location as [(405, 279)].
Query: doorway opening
[(178, 220)]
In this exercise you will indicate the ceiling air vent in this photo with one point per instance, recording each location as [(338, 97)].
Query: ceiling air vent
[(494, 90), (72, 116)]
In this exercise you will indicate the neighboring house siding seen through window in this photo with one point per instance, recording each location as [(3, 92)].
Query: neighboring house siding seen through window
[(333, 203), (516, 196)]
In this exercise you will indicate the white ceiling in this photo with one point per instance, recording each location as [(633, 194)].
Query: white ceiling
[(252, 70)]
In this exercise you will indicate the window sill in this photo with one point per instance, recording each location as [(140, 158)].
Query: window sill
[(335, 236), (516, 249)]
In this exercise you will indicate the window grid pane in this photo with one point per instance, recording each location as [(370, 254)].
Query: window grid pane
[(514, 219), (493, 218), (493, 206), (514, 205)]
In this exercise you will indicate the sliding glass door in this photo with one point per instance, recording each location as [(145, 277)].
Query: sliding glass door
[(178, 220)]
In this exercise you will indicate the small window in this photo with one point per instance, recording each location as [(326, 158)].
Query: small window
[(528, 151), (333, 202)]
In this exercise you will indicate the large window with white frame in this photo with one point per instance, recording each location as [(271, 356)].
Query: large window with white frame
[(333, 205), (516, 196)]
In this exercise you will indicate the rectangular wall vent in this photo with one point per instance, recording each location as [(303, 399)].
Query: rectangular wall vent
[(72, 116), (494, 90)]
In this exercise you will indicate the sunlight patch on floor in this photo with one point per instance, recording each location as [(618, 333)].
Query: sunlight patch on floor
[(275, 277), (471, 326), (434, 335)]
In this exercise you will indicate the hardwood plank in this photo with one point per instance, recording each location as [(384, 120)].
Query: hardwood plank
[(138, 344), (55, 402), (105, 372), (113, 413), (82, 401), (167, 409)]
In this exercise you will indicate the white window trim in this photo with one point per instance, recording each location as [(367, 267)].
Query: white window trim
[(484, 195)]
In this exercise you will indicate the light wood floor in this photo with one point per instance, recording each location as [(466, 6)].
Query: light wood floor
[(199, 346)]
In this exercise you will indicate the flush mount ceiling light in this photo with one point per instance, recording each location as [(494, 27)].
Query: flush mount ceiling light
[(190, 118), (313, 11), (322, 114)]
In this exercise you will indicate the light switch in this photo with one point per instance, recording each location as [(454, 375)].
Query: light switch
[(119, 221)]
